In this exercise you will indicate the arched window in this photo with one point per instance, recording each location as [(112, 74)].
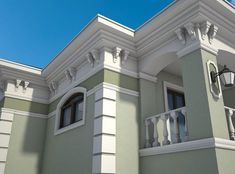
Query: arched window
[(70, 112)]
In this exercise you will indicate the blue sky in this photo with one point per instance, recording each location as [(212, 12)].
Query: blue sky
[(34, 31)]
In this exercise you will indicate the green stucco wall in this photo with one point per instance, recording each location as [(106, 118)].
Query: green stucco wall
[(107, 76), (203, 110), (23, 105), (191, 162), (152, 100), (71, 151), (127, 158), (26, 145), (225, 160), (229, 96)]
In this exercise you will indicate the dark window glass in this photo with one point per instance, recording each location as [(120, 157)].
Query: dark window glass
[(176, 100), (72, 110)]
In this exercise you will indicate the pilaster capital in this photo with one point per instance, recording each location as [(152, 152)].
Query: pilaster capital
[(195, 36)]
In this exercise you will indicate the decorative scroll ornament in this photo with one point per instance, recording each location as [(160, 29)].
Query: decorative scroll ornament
[(215, 88), (204, 31)]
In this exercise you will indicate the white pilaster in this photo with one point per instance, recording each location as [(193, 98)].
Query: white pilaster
[(5, 132), (104, 141)]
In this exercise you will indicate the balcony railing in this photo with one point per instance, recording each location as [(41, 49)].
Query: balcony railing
[(230, 113), (170, 124), (167, 118)]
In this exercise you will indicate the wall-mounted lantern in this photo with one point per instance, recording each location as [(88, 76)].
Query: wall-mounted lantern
[(226, 76)]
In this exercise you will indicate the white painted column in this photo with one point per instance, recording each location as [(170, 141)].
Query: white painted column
[(5, 132), (104, 141)]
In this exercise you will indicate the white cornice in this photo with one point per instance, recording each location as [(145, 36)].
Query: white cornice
[(189, 146), (101, 39), (98, 23), (21, 67), (90, 74)]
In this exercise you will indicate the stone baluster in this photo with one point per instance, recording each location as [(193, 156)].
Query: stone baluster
[(164, 118), (174, 115), (186, 138), (230, 124), (147, 139), (155, 132)]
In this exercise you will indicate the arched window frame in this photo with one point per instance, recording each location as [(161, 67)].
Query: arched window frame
[(63, 100)]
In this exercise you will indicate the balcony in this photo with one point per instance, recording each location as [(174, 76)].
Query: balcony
[(172, 127)]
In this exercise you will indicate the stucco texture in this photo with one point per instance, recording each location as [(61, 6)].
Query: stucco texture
[(71, 151)]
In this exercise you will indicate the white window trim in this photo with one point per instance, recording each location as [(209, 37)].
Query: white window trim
[(168, 85), (73, 91)]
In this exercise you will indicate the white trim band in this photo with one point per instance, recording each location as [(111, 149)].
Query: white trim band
[(23, 113), (189, 146)]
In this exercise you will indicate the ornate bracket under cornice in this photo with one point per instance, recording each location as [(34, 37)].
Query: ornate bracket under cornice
[(120, 54), (17, 85), (71, 74), (204, 32), (53, 86), (2, 85), (22, 83), (93, 57), (116, 54), (25, 86)]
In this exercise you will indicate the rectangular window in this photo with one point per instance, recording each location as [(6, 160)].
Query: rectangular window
[(176, 100)]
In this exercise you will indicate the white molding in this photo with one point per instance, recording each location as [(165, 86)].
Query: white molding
[(219, 95), (104, 139), (195, 46), (112, 87), (2, 167), (58, 130), (19, 66), (6, 120), (189, 146), (52, 114), (147, 77), (23, 113), (27, 98)]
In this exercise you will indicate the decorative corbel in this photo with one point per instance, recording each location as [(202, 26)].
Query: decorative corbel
[(50, 88), (96, 55), (2, 85), (17, 85), (90, 59), (212, 33), (124, 56), (181, 35), (116, 54), (72, 72), (191, 30), (67, 75), (204, 28), (26, 84), (54, 86)]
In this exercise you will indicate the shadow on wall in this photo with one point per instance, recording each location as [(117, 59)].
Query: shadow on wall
[(27, 138)]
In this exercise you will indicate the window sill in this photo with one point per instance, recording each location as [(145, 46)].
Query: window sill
[(70, 127)]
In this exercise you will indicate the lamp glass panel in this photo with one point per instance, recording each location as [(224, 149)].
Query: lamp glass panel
[(227, 78)]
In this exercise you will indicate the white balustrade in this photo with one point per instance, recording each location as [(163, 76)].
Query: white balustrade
[(165, 118), (152, 132), (230, 112), (155, 132), (147, 140)]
